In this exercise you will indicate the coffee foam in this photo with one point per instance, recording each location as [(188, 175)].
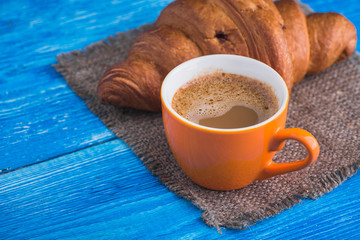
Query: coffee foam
[(214, 94)]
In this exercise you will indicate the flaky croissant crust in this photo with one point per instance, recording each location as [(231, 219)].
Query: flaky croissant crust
[(278, 34)]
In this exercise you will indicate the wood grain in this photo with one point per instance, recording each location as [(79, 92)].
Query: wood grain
[(105, 192), (40, 116), (74, 179)]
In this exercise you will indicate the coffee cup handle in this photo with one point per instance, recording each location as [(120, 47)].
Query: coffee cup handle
[(305, 138)]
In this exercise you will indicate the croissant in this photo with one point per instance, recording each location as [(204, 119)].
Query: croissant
[(278, 34)]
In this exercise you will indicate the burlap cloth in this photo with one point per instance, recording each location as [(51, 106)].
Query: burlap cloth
[(326, 104)]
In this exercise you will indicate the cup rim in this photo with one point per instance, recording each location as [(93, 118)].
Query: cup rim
[(167, 104)]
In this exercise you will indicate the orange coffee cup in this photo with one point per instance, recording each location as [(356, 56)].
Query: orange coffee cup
[(227, 159)]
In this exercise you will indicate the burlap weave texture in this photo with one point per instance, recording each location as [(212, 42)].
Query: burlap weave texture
[(326, 104)]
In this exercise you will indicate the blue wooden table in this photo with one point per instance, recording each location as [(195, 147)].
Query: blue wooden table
[(64, 175)]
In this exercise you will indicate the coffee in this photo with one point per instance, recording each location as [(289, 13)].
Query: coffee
[(225, 100)]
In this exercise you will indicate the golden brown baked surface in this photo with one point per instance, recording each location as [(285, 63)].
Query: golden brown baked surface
[(278, 34)]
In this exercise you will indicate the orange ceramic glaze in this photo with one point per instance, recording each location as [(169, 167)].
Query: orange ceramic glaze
[(227, 159)]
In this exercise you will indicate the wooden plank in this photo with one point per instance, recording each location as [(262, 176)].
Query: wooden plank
[(40, 116), (44, 120), (105, 192)]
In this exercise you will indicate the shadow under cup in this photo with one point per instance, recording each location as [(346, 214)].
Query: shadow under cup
[(227, 159)]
